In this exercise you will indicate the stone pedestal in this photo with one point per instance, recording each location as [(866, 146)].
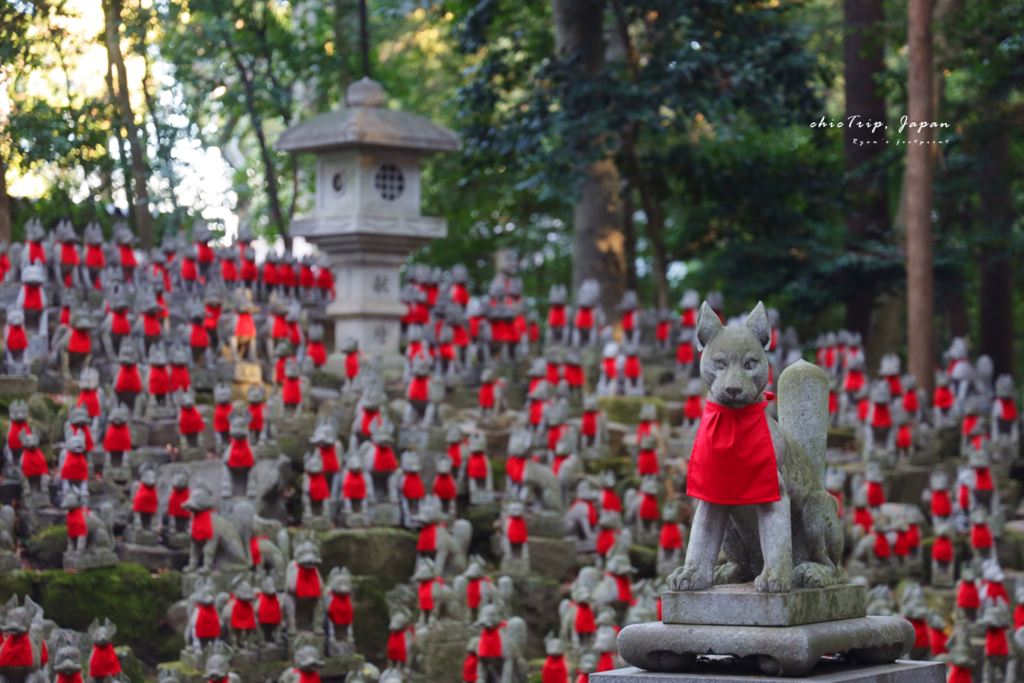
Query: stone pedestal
[(37, 500), (76, 562), (18, 386), (515, 566), (442, 651), (719, 670), (272, 652), (153, 557), (35, 521), (786, 633), (141, 536), (387, 514), (316, 523), (481, 497)]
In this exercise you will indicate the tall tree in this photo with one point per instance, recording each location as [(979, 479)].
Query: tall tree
[(140, 172), (920, 276), (868, 218), (600, 243)]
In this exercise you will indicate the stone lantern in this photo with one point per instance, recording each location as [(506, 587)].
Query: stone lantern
[(366, 217)]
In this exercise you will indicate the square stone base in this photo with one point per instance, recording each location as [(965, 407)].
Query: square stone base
[(515, 566), (902, 671), (779, 651), (85, 561), (743, 605), (387, 514), (152, 557), (481, 497), (37, 500), (141, 536), (270, 652)]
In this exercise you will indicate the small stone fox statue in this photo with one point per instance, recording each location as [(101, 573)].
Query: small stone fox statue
[(778, 527)]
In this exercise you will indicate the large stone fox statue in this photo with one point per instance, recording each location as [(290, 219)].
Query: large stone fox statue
[(760, 483)]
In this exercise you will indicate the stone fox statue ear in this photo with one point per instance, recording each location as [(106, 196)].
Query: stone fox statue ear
[(758, 323), (708, 325)]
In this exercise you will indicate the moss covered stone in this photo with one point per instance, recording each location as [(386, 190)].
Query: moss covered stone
[(626, 409), (128, 594), (46, 549), (385, 553)]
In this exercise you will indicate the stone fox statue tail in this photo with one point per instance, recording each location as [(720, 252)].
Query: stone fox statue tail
[(760, 484)]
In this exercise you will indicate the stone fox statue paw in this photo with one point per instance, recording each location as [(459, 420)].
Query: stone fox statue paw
[(775, 522)]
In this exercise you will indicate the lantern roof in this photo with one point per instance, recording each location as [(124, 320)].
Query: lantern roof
[(364, 122)]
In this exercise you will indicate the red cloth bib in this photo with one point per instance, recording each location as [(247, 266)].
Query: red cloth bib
[(270, 275), (80, 342), (904, 437), (75, 467), (255, 417), (207, 622), (693, 408), (584, 622), (876, 494), (145, 499), (469, 668), (318, 489), (671, 538), (307, 584), (17, 340), (118, 438), (418, 388), (316, 351), (970, 421), (882, 417), (516, 530), (244, 326), (733, 459), (268, 610), (159, 380), (241, 453), (662, 330), (943, 398), (605, 541), (920, 632), (91, 401), (981, 536), (610, 368), (996, 644), (455, 454), (632, 369), (33, 463), (396, 646), (996, 591), (514, 468), (351, 365), (33, 298), (556, 316), (77, 526), (104, 661), (959, 674), (584, 318), (649, 507), (16, 650), (426, 595), (983, 479), (222, 417), (554, 670), (202, 526), (647, 462), (94, 257), (1009, 409), (610, 500), (854, 381), (476, 468), (291, 392), (910, 402), (895, 385), (473, 592), (128, 380), (340, 609), (941, 505), (684, 353), (625, 588), (354, 486), (967, 595), (242, 615), (427, 541), (175, 501), (14, 434), (937, 640), (606, 662), (490, 643), (444, 487), (75, 677), (89, 445), (329, 458), (228, 271), (882, 548), (181, 380), (942, 550), (384, 459)]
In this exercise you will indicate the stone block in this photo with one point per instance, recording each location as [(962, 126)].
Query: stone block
[(553, 557), (248, 373), (545, 525), (720, 670), (442, 652), (516, 567), (163, 433), (626, 409), (387, 554), (743, 605), (334, 669), (779, 651), (76, 562), (14, 387), (153, 557), (142, 537), (387, 514)]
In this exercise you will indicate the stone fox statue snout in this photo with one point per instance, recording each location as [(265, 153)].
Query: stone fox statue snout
[(759, 483)]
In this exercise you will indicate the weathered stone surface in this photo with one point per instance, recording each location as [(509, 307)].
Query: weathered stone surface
[(626, 409), (799, 385), (333, 670), (442, 652), (710, 670), (553, 557), (153, 558), (13, 387), (785, 651), (743, 605), (385, 553)]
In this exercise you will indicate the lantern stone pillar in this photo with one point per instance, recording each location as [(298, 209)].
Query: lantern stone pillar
[(366, 216)]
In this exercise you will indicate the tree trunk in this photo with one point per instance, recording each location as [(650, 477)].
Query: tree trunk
[(920, 301), (629, 232), (143, 217), (270, 172), (598, 237), (996, 294), (864, 51), (5, 204), (346, 13)]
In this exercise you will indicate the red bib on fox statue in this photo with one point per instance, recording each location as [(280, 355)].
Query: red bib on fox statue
[(733, 458)]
